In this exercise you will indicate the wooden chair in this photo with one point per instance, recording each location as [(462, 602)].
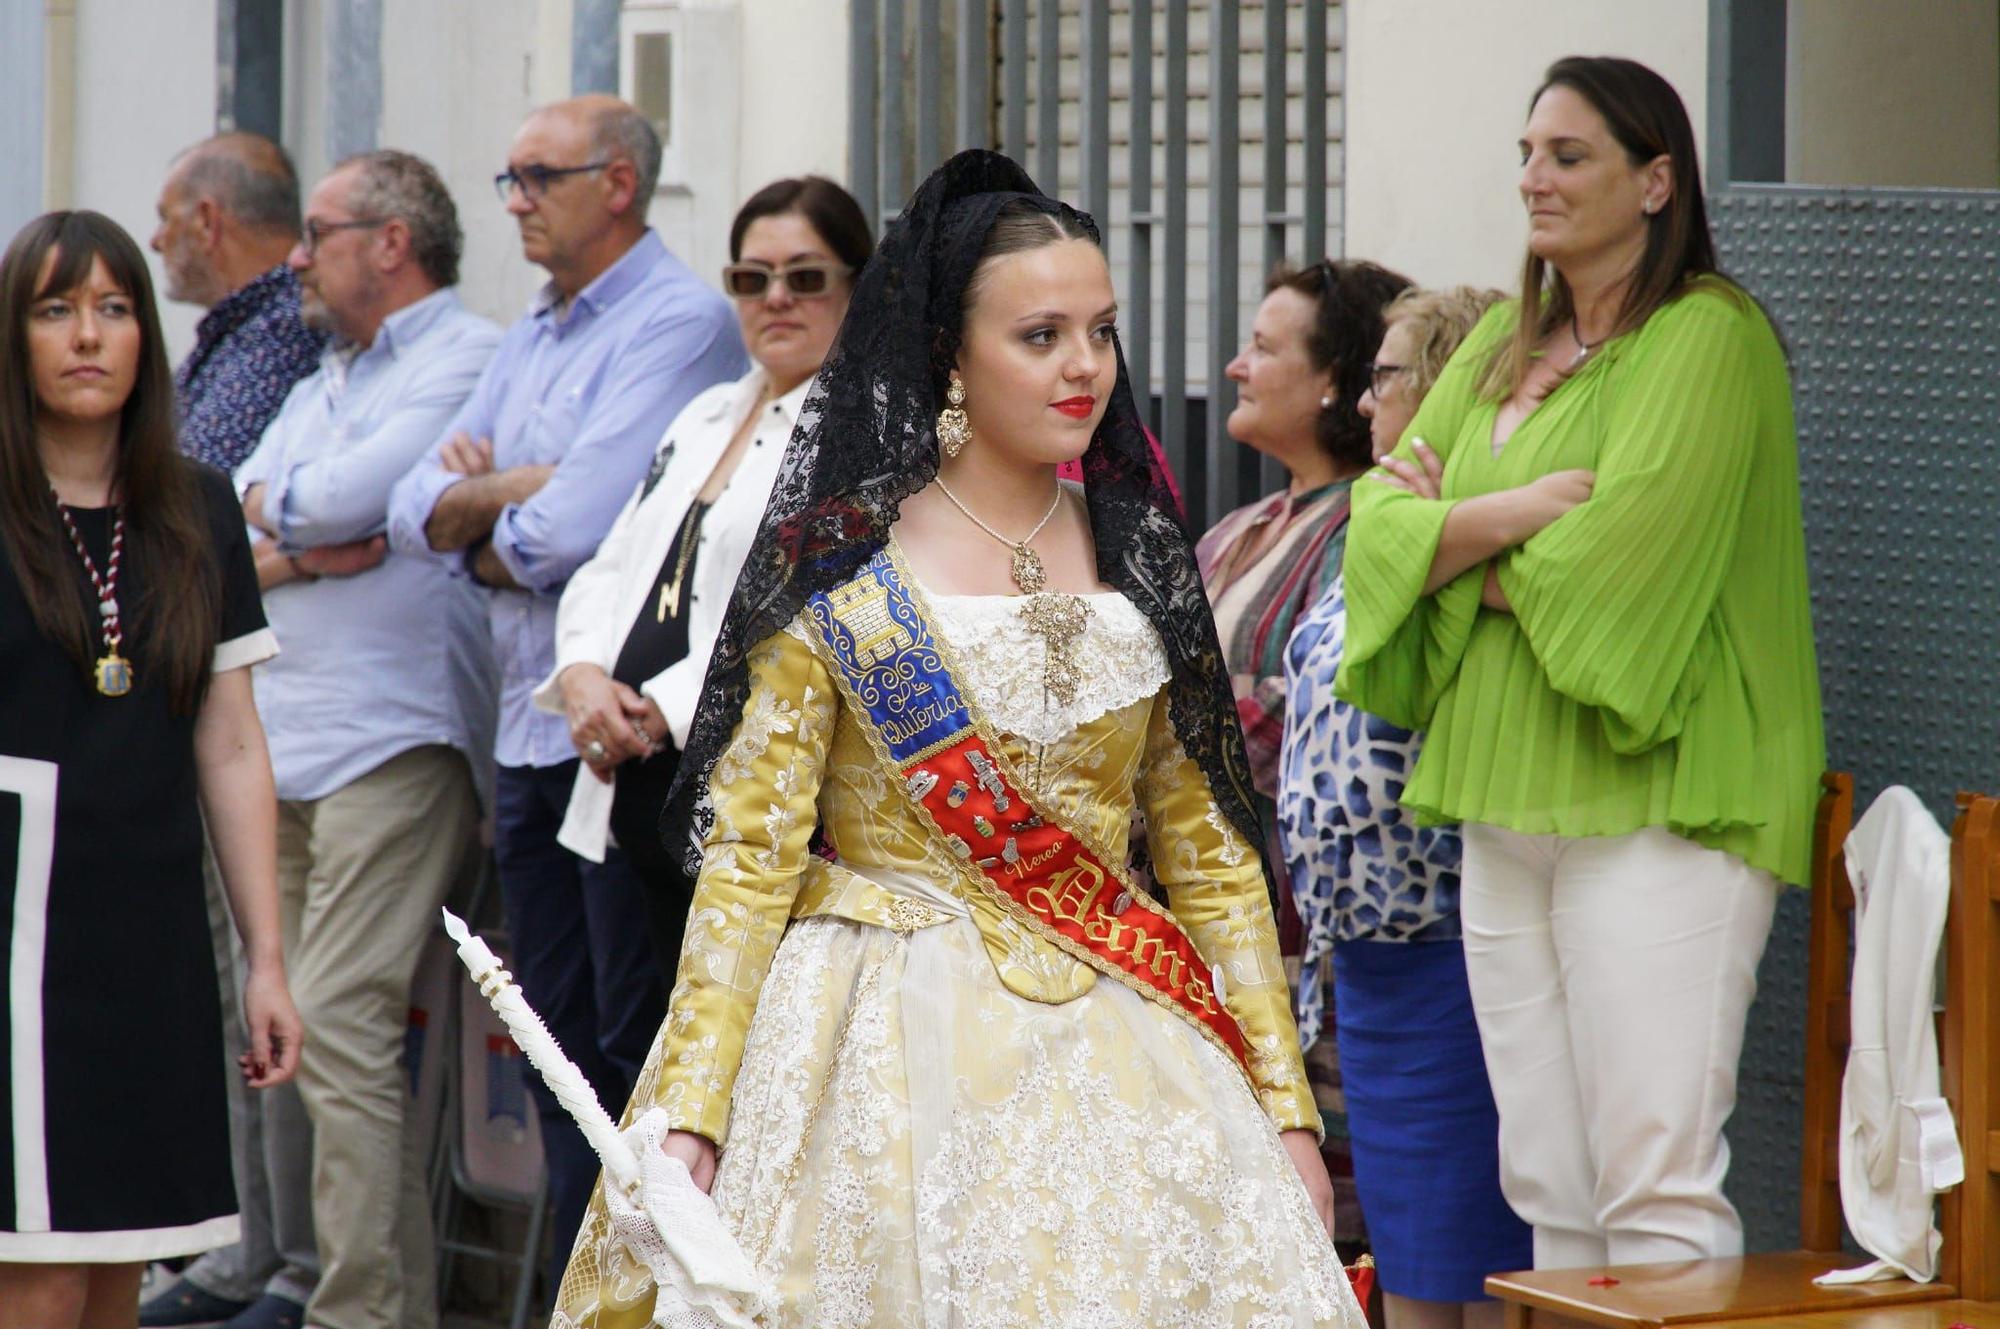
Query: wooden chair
[(1970, 1213), (1772, 1290)]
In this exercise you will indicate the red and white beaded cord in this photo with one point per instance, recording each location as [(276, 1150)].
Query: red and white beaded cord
[(114, 674)]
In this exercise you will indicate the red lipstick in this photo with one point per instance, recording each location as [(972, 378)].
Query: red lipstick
[(1077, 408)]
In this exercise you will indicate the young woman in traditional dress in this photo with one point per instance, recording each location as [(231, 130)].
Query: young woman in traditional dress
[(959, 1069)]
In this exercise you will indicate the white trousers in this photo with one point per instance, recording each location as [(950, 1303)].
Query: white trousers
[(1611, 977)]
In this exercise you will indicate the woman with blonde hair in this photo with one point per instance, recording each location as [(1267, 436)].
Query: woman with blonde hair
[(1378, 903)]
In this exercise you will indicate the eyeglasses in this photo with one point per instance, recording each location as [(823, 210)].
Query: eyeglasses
[(316, 231), (749, 281), (1379, 375), (534, 181)]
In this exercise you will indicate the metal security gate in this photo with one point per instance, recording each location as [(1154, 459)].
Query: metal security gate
[(1201, 135), (1885, 299)]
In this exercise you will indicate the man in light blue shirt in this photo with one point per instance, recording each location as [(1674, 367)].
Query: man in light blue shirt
[(517, 494), (380, 711)]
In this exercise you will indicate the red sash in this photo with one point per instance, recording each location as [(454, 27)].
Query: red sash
[(1043, 874)]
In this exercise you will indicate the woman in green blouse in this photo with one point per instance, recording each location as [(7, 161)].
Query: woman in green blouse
[(1583, 572)]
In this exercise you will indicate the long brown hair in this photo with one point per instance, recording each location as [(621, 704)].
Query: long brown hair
[(1646, 117), (172, 628)]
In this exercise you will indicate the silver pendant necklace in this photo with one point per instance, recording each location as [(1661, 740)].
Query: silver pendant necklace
[(1583, 348)]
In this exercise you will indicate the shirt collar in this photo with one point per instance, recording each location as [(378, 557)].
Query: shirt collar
[(234, 309), (611, 285), (408, 324), (743, 395)]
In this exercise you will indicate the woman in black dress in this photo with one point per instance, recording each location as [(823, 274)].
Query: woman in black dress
[(129, 619)]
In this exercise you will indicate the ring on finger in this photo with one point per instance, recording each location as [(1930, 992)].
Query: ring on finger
[(595, 750)]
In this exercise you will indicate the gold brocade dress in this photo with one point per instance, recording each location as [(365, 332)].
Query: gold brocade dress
[(930, 1117)]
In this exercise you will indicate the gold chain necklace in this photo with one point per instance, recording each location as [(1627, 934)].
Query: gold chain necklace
[(670, 592), (1026, 568)]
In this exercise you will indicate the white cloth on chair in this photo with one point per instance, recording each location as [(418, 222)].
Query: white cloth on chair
[(1898, 1147)]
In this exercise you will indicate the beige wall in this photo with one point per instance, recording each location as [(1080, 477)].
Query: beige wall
[(794, 90), (126, 57), (1436, 93), (1881, 95), (454, 92)]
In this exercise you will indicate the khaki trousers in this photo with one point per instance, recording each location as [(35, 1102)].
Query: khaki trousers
[(361, 874)]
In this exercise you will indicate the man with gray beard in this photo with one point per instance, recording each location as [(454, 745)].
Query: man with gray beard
[(379, 713), (229, 213)]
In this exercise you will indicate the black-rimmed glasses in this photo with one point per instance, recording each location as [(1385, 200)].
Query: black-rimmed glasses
[(749, 281), (1379, 375), (316, 231), (534, 181)]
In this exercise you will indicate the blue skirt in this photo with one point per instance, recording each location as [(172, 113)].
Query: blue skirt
[(1426, 1135)]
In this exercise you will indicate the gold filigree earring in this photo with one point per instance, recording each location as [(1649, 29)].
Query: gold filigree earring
[(954, 430)]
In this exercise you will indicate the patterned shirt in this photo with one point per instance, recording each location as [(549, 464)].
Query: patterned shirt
[(1361, 869), (249, 350)]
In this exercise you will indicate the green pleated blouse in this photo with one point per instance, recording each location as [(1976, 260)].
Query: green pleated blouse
[(1658, 667)]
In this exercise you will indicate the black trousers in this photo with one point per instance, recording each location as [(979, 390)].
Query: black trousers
[(635, 823)]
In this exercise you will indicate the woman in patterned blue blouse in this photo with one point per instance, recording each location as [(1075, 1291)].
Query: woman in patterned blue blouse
[(1379, 899)]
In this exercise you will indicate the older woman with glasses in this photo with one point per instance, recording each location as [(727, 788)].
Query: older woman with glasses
[(1378, 901), (637, 622), (1299, 380)]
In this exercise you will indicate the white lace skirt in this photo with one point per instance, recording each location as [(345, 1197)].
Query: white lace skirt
[(976, 1159)]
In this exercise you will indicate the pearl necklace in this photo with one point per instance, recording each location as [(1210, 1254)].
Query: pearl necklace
[(1026, 569)]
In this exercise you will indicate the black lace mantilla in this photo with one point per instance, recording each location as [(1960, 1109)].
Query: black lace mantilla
[(864, 443)]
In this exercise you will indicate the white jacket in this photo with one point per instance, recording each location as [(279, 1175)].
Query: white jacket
[(610, 591), (1897, 1144)]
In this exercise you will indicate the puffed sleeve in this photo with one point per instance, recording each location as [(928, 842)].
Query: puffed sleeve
[(1618, 597), (243, 637), (1403, 647), (765, 790), (1215, 887)]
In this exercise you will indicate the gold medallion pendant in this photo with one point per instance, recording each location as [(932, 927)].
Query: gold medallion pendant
[(114, 675), (1027, 570), (114, 672), (1058, 620)]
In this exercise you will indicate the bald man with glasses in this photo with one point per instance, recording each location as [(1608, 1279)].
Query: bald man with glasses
[(516, 495)]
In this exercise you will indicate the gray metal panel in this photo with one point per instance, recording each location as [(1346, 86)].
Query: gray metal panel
[(1138, 336), (22, 40), (1274, 136), (862, 88), (1886, 300), (1048, 94), (1313, 246), (593, 51), (1096, 135), (250, 67), (353, 77), (930, 106), (1232, 468), (893, 191), (1014, 74), (1173, 276), (975, 74)]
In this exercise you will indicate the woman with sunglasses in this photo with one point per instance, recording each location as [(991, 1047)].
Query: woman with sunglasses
[(637, 622), (1299, 379)]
